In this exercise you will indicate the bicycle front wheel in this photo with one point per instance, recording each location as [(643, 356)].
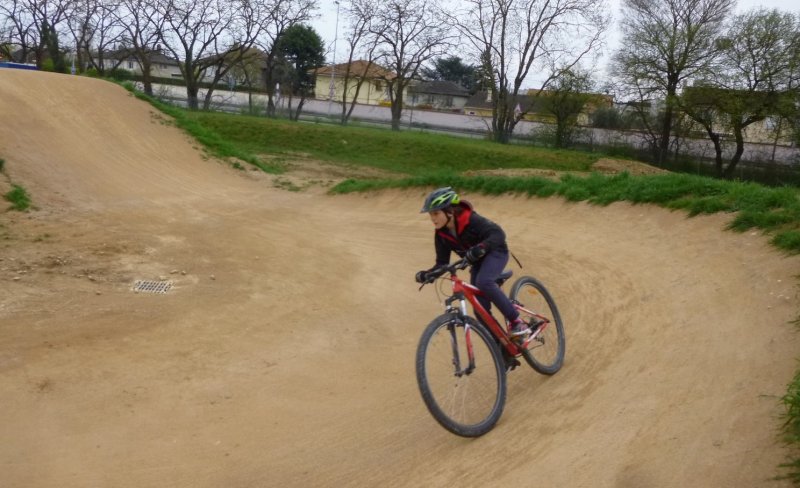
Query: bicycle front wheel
[(545, 351), (464, 393)]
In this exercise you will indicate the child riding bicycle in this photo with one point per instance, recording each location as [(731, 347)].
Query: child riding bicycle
[(459, 229)]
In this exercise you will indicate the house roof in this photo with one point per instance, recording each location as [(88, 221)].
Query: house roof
[(530, 102), (440, 88), (251, 54), (359, 69), (156, 56)]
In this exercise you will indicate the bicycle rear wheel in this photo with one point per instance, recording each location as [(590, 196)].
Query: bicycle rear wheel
[(465, 398), (545, 352)]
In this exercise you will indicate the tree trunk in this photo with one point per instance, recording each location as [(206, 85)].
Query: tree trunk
[(397, 107), (396, 114), (192, 89), (207, 97), (147, 79), (666, 126), (79, 60), (666, 132), (737, 156), (777, 138), (717, 149), (345, 113), (502, 121), (299, 107), (348, 111), (561, 133), (270, 83), (221, 70), (39, 53)]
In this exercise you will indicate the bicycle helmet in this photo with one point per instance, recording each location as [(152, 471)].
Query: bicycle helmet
[(440, 199)]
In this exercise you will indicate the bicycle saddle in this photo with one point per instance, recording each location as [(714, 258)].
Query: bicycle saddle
[(503, 277)]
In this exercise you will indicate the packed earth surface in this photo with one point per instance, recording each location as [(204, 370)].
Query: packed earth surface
[(283, 353)]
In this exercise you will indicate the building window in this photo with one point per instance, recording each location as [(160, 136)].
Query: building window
[(130, 64), (378, 86)]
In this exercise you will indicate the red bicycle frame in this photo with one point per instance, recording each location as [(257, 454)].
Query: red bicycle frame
[(463, 290)]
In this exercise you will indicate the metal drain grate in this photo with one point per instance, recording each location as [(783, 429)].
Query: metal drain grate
[(152, 286)]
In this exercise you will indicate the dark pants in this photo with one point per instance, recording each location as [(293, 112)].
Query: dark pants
[(484, 276)]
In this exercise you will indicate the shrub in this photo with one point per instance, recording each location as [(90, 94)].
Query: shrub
[(18, 197), (48, 65), (607, 118), (119, 74)]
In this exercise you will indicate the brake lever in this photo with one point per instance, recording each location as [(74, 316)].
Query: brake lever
[(427, 283)]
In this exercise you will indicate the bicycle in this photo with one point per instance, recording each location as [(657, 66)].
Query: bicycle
[(461, 364)]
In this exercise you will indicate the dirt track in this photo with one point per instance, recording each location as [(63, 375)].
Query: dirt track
[(284, 354)]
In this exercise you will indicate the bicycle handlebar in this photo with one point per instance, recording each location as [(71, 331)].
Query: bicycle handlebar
[(448, 268)]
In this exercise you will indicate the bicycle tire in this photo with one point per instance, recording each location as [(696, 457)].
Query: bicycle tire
[(545, 353), (471, 404)]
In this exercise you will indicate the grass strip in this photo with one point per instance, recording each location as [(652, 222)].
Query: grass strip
[(773, 210), (791, 430)]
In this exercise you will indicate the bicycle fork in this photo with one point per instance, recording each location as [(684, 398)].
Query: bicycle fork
[(460, 313)]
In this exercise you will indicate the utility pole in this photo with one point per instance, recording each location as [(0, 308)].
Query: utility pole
[(332, 90)]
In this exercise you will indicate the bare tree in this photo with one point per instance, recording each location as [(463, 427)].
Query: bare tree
[(409, 33), (46, 20), (143, 25), (193, 32), (20, 26), (279, 15), (361, 43), (664, 44), (81, 25), (513, 39), (95, 25), (247, 72), (249, 21)]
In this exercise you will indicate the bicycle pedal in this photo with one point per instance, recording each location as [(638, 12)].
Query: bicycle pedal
[(512, 364)]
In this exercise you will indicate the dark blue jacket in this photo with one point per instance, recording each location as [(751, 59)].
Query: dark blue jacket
[(471, 230)]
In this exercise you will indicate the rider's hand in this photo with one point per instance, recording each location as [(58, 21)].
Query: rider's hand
[(475, 253), (421, 276)]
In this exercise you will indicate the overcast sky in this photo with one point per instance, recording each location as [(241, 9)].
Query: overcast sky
[(325, 25)]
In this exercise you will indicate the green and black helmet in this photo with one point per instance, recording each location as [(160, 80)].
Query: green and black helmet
[(440, 199)]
